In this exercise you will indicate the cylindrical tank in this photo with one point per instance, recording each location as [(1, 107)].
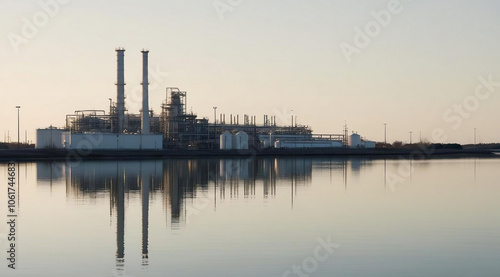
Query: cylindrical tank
[(355, 141), (240, 141), (226, 141)]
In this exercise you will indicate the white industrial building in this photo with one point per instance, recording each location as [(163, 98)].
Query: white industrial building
[(59, 139), (49, 138), (112, 141)]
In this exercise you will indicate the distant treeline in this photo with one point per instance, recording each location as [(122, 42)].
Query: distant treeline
[(445, 146), (427, 145), (13, 145), (482, 146)]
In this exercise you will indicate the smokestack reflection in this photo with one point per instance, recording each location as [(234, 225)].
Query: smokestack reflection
[(146, 174), (120, 218)]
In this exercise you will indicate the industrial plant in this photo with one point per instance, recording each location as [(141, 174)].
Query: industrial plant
[(175, 128)]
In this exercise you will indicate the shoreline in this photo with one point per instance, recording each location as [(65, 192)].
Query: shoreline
[(62, 154)]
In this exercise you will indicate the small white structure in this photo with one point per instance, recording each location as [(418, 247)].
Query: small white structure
[(283, 144), (49, 138), (368, 144), (355, 141), (240, 141), (226, 141)]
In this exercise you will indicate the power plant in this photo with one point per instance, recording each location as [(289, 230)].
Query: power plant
[(175, 128)]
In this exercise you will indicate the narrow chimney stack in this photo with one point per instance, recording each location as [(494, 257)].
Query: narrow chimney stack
[(145, 122), (120, 85)]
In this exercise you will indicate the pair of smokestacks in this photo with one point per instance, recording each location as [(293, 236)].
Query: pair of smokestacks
[(120, 84)]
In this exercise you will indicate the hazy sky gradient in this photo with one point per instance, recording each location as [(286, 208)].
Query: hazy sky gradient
[(265, 57)]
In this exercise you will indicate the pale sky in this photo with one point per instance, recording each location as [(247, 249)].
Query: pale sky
[(261, 57)]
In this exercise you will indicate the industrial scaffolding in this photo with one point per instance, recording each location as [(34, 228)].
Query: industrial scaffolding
[(179, 128), (184, 130), (97, 121)]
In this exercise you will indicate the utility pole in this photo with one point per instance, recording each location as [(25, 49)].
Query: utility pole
[(215, 123), (475, 145), (18, 107), (410, 136), (110, 115), (385, 134)]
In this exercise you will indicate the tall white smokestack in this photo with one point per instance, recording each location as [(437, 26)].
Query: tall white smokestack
[(145, 93), (120, 85)]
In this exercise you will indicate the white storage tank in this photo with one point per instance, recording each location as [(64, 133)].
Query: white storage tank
[(355, 141), (240, 141), (226, 141), (49, 138)]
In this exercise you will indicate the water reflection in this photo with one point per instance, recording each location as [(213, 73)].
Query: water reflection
[(146, 180), (475, 177), (49, 171), (180, 181)]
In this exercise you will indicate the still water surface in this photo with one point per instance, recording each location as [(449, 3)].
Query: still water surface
[(255, 217)]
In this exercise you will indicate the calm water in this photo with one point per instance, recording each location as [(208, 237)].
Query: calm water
[(263, 217)]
